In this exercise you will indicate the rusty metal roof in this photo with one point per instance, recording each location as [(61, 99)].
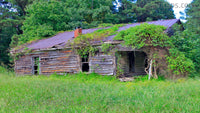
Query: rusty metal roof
[(62, 38)]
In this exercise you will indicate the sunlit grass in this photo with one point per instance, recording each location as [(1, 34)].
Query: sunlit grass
[(95, 93)]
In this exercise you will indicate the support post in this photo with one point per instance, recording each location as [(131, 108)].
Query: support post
[(150, 69)]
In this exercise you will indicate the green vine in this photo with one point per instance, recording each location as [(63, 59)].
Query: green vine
[(119, 70), (152, 38), (25, 51), (83, 44), (178, 63), (106, 48), (144, 35)]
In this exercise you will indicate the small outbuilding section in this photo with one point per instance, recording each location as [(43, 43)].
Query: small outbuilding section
[(53, 56)]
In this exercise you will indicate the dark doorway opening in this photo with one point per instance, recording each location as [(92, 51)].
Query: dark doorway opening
[(132, 62), (36, 65), (85, 67), (85, 63)]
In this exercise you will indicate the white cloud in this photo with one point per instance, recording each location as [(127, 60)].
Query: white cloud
[(179, 5)]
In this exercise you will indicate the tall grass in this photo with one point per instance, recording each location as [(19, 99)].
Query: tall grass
[(95, 93)]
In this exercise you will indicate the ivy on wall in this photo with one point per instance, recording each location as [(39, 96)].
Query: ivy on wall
[(152, 38)]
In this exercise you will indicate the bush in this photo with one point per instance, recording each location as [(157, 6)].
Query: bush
[(178, 63)]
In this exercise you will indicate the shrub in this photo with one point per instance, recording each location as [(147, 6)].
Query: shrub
[(178, 63)]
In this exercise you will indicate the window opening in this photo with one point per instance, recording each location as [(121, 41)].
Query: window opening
[(85, 63), (36, 65)]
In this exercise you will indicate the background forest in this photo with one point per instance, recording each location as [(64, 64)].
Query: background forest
[(22, 21)]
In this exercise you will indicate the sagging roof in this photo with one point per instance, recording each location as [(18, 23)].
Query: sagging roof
[(62, 38)]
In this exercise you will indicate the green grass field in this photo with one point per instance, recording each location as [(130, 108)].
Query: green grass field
[(93, 93)]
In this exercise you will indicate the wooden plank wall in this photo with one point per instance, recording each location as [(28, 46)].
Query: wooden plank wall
[(23, 65), (59, 61), (102, 64), (65, 61)]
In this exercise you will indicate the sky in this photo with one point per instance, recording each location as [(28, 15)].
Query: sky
[(179, 5)]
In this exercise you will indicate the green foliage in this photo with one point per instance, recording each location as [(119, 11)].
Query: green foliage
[(92, 93), (83, 44), (144, 35), (189, 43), (178, 63), (119, 70), (40, 32), (193, 23), (153, 36), (153, 10), (106, 47), (145, 78), (143, 10), (45, 18), (105, 25), (68, 14), (8, 22), (20, 5)]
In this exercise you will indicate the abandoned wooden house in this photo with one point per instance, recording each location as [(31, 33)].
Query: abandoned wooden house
[(52, 56)]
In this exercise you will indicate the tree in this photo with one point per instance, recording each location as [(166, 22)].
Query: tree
[(20, 5), (12, 14), (8, 23), (143, 10), (124, 11), (193, 17), (45, 18), (188, 41)]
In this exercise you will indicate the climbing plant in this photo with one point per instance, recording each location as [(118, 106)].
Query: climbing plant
[(84, 44), (144, 35), (178, 63), (153, 40), (150, 38)]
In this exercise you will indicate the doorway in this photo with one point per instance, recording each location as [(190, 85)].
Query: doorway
[(132, 63)]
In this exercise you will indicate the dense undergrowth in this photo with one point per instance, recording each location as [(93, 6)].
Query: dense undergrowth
[(95, 93)]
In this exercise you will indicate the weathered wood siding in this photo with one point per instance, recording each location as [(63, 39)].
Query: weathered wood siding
[(102, 64), (59, 61), (23, 65), (66, 61), (139, 63)]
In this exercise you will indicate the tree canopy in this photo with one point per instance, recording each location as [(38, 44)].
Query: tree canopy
[(143, 10)]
